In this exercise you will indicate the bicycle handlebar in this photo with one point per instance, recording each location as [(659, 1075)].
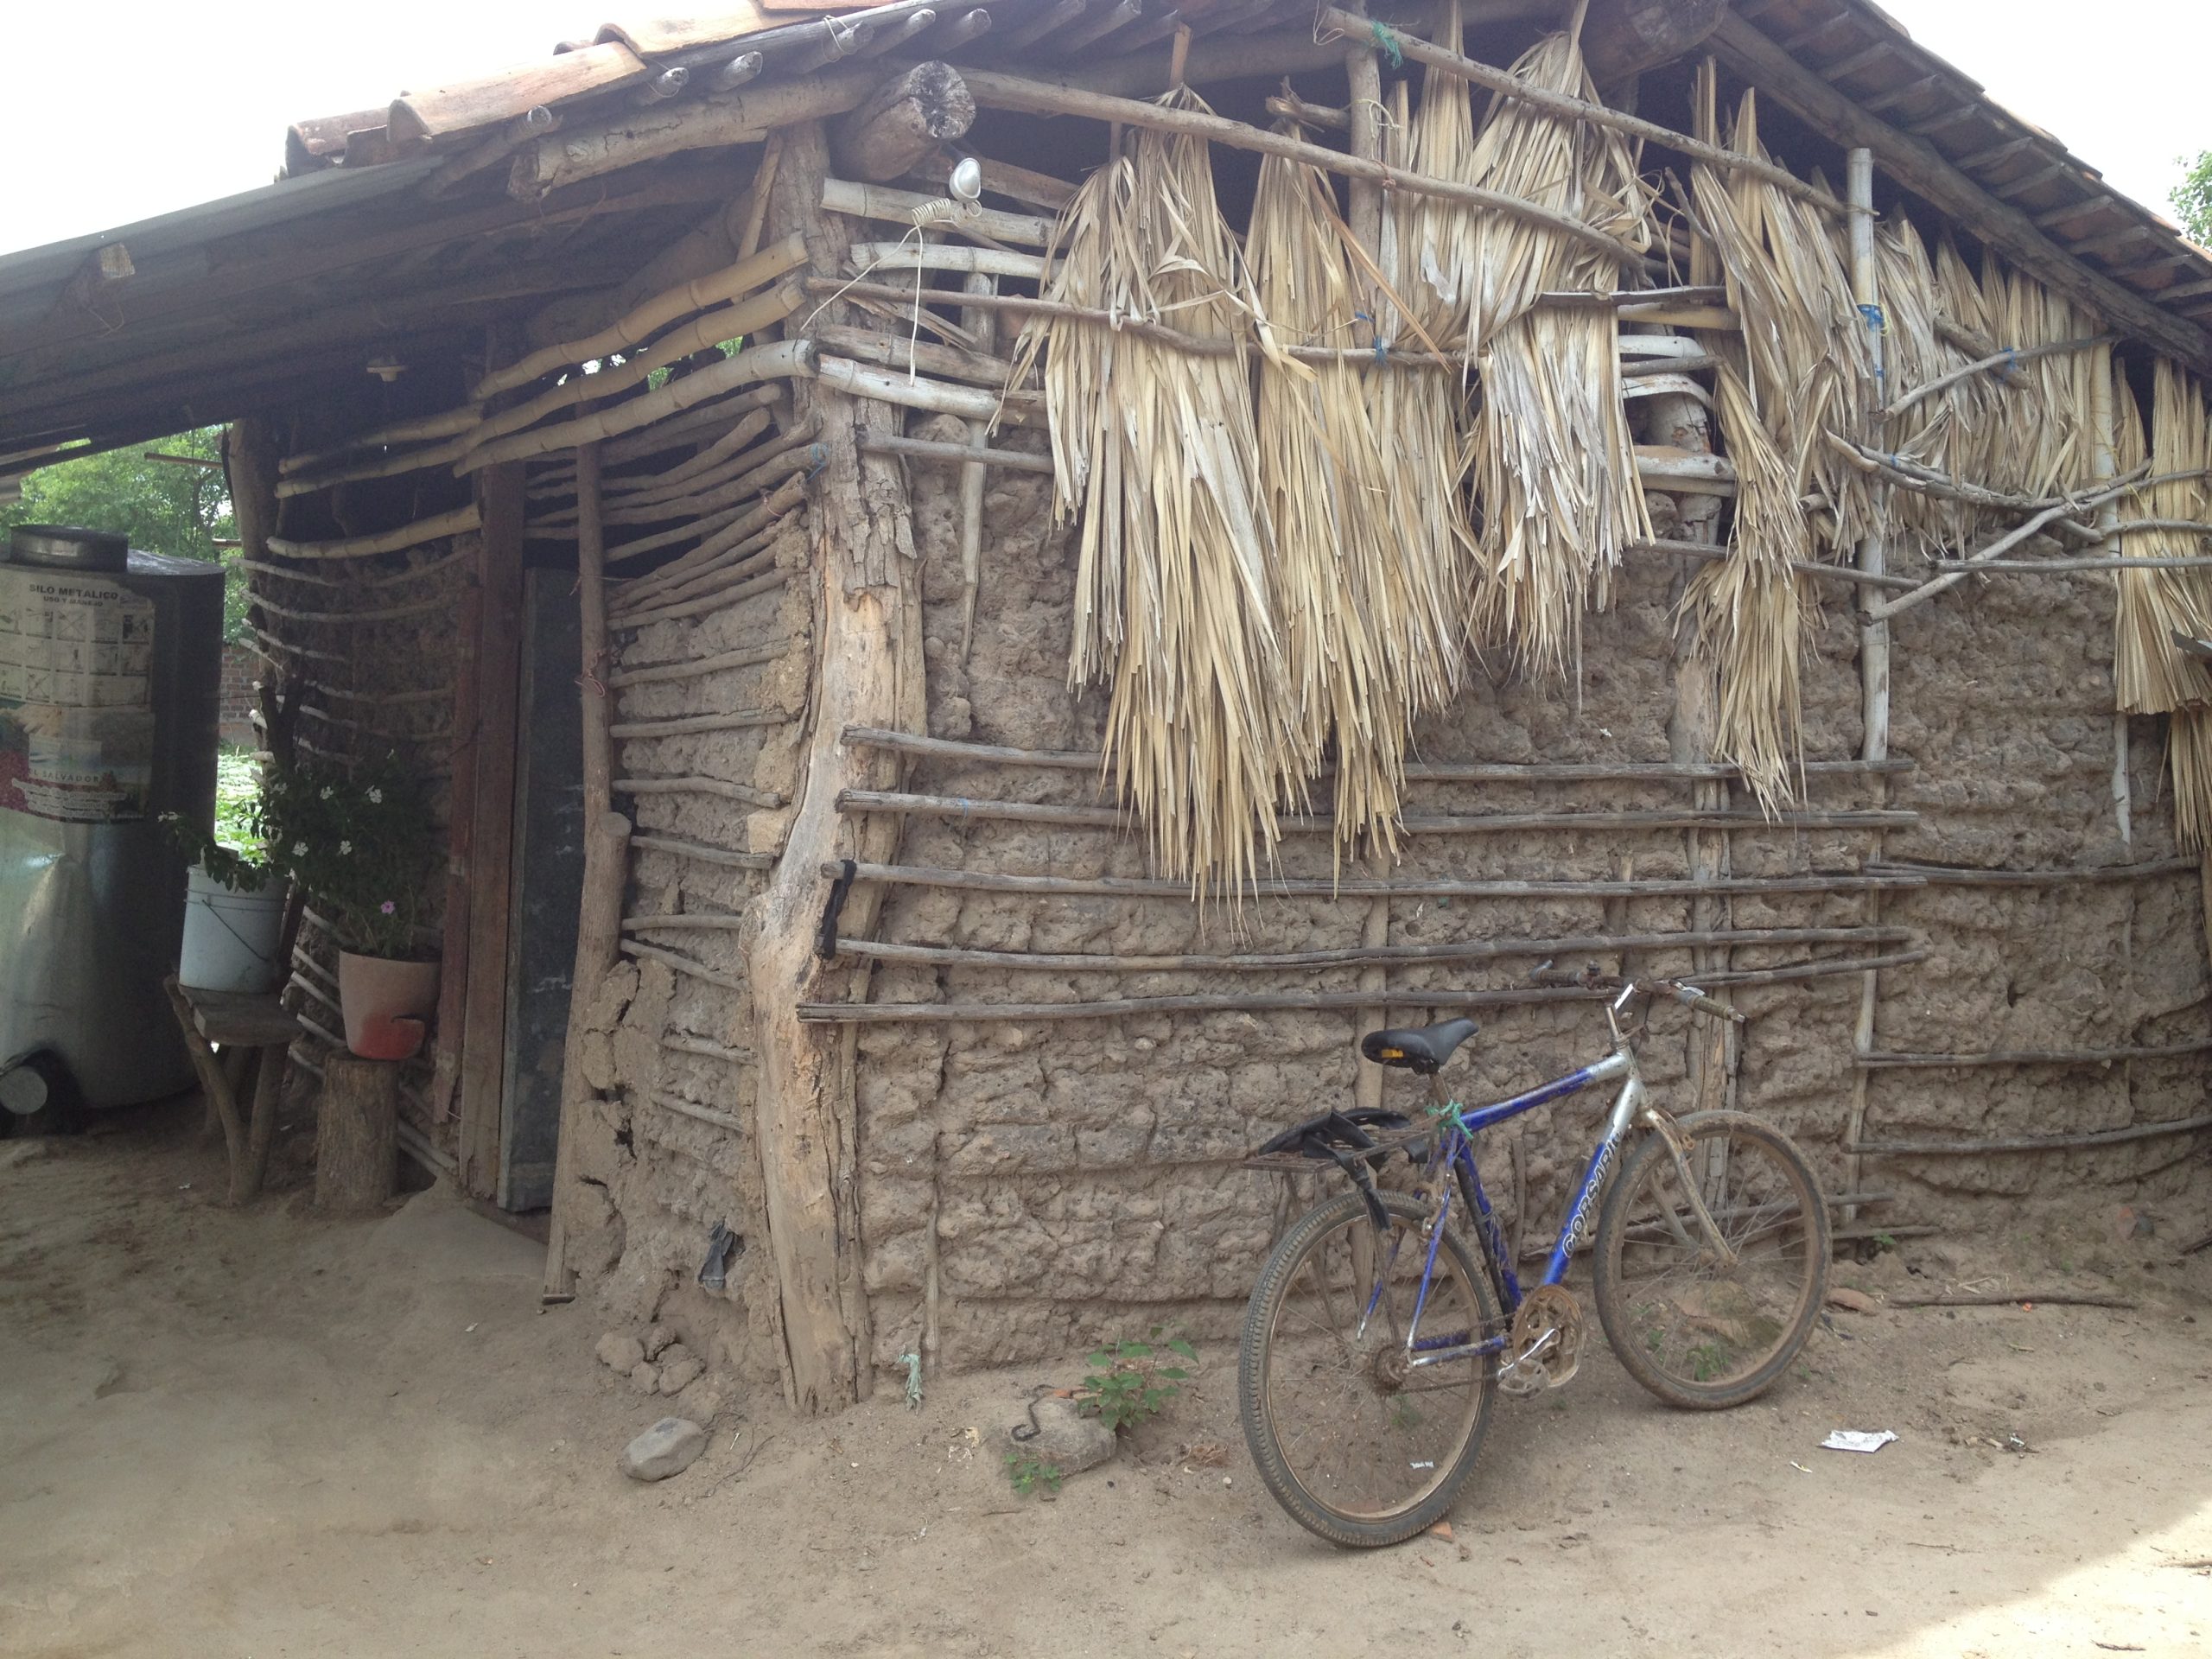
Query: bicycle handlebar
[(1590, 979)]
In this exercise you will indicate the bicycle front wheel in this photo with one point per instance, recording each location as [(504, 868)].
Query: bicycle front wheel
[(1360, 1441), (1698, 1326)]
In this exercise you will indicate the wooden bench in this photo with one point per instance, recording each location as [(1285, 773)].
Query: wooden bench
[(256, 1027)]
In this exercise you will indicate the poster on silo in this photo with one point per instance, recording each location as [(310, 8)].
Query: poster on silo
[(76, 697)]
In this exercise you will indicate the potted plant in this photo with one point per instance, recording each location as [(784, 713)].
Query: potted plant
[(358, 841), (233, 912)]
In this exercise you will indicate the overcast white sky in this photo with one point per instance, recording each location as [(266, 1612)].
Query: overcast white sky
[(125, 111)]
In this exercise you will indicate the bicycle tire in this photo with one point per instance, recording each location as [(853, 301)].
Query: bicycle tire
[(1264, 1343), (1780, 1288)]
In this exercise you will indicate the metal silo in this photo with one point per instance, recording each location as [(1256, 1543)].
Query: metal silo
[(109, 662)]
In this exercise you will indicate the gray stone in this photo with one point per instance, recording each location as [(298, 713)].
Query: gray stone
[(645, 1378), (658, 1338), (1067, 1439), (620, 1352), (668, 1448)]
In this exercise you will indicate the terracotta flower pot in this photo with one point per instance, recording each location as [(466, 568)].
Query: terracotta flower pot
[(385, 1003)]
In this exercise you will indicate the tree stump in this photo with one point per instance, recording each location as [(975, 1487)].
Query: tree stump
[(357, 1135)]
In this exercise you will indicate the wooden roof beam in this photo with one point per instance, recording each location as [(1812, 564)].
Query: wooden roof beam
[(1920, 167), (1877, 102)]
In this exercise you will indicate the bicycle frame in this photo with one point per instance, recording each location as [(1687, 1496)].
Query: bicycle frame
[(1455, 1152)]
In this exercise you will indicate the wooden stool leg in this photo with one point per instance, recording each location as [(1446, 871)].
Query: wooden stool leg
[(268, 1100), (212, 1081)]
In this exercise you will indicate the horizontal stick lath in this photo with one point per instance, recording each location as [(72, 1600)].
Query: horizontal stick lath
[(1142, 887)]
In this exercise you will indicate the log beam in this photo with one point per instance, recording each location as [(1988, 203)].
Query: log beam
[(901, 123)]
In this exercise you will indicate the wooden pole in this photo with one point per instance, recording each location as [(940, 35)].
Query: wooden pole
[(982, 324), (1874, 635), (606, 835), (868, 671)]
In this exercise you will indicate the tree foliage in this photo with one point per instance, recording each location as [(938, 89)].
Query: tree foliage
[(162, 506), (2192, 200)]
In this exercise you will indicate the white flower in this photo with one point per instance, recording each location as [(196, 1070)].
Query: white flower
[(299, 849), (344, 847), (328, 789), (375, 796)]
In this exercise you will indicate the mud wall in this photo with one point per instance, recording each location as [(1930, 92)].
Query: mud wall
[(1029, 1185)]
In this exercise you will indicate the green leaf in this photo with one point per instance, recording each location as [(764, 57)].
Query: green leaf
[(1179, 1347), (1100, 1361), (1173, 1373)]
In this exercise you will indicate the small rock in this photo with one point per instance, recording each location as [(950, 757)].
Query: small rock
[(668, 1448), (1067, 1439), (1442, 1530), (645, 1378), (679, 1374), (24, 1152), (620, 1352), (658, 1338), (1854, 1301)]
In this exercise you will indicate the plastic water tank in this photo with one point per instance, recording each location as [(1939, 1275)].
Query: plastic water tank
[(110, 664)]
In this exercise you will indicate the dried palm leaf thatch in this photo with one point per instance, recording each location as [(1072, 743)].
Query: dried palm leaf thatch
[(1155, 449), (1434, 246), (1811, 362), (1943, 430), (1751, 611), (1370, 596), (1551, 454), (2044, 441), (2188, 753), (2150, 676)]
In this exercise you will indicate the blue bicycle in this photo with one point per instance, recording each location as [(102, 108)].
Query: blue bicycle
[(1375, 1345)]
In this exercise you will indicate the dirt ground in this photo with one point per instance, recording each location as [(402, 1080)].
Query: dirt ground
[(270, 1434)]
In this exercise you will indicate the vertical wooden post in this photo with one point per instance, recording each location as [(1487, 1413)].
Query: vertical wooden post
[(1873, 645), (979, 321), (2105, 464), (868, 671), (491, 745), (455, 932), (607, 857)]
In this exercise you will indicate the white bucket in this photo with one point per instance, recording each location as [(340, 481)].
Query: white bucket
[(230, 938)]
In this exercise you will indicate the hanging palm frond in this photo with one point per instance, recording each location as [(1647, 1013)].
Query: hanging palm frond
[(1154, 450), (2150, 676)]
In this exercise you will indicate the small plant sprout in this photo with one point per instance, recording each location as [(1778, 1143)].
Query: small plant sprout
[(1028, 1472), (1129, 1381)]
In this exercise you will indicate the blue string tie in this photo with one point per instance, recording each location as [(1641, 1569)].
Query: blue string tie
[(1386, 40)]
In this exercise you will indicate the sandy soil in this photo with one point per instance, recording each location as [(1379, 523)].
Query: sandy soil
[(267, 1434)]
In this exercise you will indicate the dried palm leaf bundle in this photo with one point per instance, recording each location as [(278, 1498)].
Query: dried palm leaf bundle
[(2188, 753), (1435, 247), (1552, 457), (1943, 430), (1811, 363), (1342, 566), (1156, 451), (2150, 676), (2044, 442), (1751, 611)]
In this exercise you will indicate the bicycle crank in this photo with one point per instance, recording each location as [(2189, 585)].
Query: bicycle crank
[(1545, 1347)]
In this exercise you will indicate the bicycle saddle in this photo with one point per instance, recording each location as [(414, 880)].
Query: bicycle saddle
[(1419, 1048)]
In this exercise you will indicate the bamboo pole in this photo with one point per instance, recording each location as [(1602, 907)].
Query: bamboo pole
[(897, 352), (750, 656), (955, 454), (446, 423), (383, 613), (1710, 551), (739, 321), (682, 964), (686, 922), (880, 201), (606, 835), (999, 90), (1879, 1061), (460, 519), (692, 724), (443, 561), (2029, 1142), (1108, 818), (911, 391), (1259, 1002), (638, 325), (1503, 84), (2006, 360), (1432, 771), (1367, 955), (1123, 886), (870, 257), (388, 465), (791, 358), (734, 547), (713, 602), (1948, 876), (744, 794), (700, 852)]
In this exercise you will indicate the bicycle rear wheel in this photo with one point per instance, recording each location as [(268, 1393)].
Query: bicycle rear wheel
[(1694, 1330), (1356, 1444)]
